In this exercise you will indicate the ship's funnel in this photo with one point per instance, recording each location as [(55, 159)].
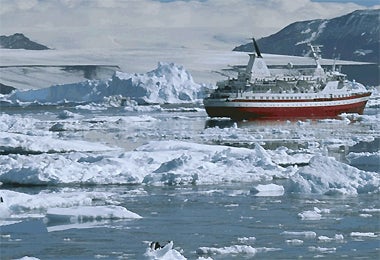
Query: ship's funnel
[(258, 53), (257, 68)]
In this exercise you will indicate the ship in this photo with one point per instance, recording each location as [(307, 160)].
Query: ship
[(257, 93)]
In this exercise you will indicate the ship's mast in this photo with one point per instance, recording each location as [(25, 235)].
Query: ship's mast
[(316, 51)]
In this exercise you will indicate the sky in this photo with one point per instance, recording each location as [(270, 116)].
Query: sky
[(129, 24)]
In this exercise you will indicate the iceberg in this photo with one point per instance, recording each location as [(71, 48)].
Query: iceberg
[(168, 83)]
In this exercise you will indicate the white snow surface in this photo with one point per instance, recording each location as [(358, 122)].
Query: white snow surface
[(168, 83)]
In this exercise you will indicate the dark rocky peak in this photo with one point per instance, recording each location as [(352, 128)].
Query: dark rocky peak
[(20, 41)]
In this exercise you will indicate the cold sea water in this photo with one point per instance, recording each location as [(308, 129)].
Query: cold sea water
[(225, 218)]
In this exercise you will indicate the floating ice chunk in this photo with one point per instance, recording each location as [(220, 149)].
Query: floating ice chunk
[(295, 242), (322, 249), (315, 214), (165, 253), (229, 250), (363, 234), (325, 175), (337, 237), (247, 240), (90, 213), (310, 215), (306, 234), (268, 190), (371, 210), (27, 258)]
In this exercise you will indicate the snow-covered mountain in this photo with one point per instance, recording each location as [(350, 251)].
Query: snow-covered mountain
[(355, 36)]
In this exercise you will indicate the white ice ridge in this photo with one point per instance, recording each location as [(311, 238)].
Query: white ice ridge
[(168, 83), (156, 163), (176, 163)]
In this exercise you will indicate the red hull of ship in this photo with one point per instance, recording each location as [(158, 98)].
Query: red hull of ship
[(274, 112)]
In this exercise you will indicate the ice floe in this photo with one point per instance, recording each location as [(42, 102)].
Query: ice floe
[(156, 163), (305, 234), (228, 250), (28, 144), (89, 213), (325, 175), (66, 209), (310, 215), (336, 238), (315, 214), (363, 234), (262, 190), (295, 242)]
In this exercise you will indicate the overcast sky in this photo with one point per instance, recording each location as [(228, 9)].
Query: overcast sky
[(119, 24)]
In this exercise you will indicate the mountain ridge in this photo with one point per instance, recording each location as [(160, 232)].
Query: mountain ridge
[(20, 41), (354, 36)]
